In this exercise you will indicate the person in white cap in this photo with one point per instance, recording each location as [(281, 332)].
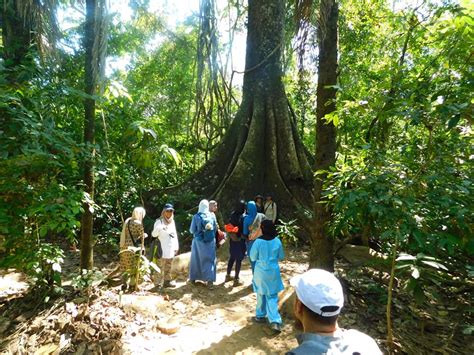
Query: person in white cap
[(165, 230), (319, 300)]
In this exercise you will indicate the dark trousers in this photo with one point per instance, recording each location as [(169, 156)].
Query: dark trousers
[(230, 265)]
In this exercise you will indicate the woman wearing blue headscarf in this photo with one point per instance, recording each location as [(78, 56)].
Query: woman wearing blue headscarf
[(251, 229), (203, 248)]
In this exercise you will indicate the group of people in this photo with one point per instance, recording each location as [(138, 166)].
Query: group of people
[(250, 231)]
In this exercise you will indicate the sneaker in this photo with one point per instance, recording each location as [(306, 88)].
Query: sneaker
[(237, 282), (228, 278), (169, 284), (259, 319), (276, 327)]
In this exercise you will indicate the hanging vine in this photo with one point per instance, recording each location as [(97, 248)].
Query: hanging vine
[(212, 111)]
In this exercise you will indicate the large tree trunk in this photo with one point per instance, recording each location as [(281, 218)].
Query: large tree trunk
[(322, 244), (87, 242), (261, 151)]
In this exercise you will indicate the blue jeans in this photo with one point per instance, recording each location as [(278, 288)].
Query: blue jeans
[(267, 306)]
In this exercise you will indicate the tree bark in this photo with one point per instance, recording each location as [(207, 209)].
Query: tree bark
[(261, 151), (322, 244), (87, 223)]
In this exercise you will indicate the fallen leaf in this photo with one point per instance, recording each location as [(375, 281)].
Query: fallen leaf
[(47, 349)]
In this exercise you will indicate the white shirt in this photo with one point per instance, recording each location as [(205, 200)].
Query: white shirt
[(168, 237), (270, 210)]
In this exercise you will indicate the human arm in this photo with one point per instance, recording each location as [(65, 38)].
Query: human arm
[(157, 228), (216, 225), (195, 225), (254, 251), (245, 228), (175, 239), (281, 252)]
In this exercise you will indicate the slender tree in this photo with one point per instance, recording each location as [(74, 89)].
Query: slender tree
[(322, 253), (261, 151), (94, 43)]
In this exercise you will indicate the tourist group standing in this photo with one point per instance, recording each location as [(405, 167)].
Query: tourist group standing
[(251, 231)]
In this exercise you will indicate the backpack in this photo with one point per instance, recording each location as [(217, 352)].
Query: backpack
[(208, 235), (254, 228)]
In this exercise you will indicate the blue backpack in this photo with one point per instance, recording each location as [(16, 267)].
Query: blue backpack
[(208, 235)]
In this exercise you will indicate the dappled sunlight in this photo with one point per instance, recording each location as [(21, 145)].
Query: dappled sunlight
[(209, 321)]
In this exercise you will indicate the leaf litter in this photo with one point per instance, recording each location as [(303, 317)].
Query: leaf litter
[(193, 319)]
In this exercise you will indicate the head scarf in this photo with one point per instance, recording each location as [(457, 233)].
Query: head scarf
[(269, 231), (250, 217), (251, 210), (137, 215), (240, 208), (203, 206), (163, 215)]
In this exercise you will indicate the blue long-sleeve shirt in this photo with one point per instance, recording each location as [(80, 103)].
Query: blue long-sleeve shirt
[(266, 254)]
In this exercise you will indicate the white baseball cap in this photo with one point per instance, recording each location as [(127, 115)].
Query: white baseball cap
[(317, 289)]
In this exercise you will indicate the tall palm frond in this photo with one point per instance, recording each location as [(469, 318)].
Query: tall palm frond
[(38, 17)]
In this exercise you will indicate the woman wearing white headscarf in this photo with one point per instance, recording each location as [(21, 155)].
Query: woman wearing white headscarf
[(132, 235), (203, 248), (165, 230)]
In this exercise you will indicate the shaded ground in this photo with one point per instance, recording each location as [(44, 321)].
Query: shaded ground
[(214, 321)]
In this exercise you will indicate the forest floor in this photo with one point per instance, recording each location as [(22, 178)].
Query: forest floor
[(216, 321)]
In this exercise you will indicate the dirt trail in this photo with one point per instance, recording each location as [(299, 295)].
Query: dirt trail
[(214, 321), (11, 283)]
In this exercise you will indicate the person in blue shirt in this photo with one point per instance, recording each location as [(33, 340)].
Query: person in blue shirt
[(203, 248), (266, 251), (251, 227)]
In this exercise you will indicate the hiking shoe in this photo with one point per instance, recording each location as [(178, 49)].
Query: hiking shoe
[(237, 282), (228, 278), (259, 319), (169, 284), (276, 327)]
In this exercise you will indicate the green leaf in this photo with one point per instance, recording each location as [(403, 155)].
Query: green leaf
[(453, 121), (435, 265), (154, 267), (419, 294), (43, 230), (406, 257), (415, 273), (56, 267), (172, 153)]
